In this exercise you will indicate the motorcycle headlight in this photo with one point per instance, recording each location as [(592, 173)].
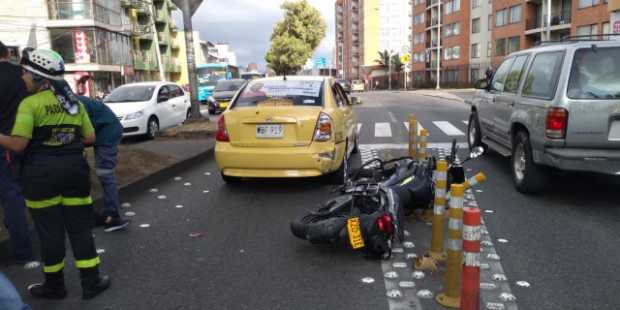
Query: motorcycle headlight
[(211, 99), (135, 115)]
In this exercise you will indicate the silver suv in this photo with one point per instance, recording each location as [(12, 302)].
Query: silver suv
[(556, 105)]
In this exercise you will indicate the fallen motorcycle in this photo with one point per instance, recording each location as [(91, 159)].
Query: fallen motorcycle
[(370, 208)]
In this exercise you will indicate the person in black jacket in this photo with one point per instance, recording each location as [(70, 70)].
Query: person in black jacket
[(12, 91)]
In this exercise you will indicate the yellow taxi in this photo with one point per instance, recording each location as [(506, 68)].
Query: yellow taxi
[(287, 127)]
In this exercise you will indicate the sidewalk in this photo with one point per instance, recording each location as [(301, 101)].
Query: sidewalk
[(443, 94)]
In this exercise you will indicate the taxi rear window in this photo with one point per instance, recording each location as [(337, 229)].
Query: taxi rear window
[(299, 92)]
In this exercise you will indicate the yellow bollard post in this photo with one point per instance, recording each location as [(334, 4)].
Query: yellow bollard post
[(451, 296), (475, 180), (413, 136), (439, 207), (422, 150)]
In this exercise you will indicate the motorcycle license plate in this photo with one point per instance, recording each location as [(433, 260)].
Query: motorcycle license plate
[(269, 131), (355, 233)]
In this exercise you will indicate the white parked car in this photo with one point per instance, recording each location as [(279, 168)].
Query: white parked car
[(145, 108)]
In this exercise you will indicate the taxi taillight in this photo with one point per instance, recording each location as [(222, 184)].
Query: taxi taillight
[(222, 133), (323, 130)]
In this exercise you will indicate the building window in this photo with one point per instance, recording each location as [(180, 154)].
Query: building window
[(475, 4), (475, 75), (475, 50), (489, 49), (102, 11), (587, 3), (91, 45), (452, 53), (500, 47), (452, 30), (515, 14), (588, 30), (452, 7), (475, 25), (508, 16), (500, 18), (606, 28), (514, 44)]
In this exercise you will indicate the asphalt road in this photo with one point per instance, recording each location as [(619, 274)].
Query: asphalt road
[(229, 247)]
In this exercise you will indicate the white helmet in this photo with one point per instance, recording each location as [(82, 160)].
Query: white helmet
[(45, 63)]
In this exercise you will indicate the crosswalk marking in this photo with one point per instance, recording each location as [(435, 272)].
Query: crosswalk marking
[(466, 122), (420, 128), (448, 128), (383, 130), (359, 127), (405, 146)]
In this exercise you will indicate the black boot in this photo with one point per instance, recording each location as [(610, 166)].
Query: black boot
[(92, 283), (52, 288)]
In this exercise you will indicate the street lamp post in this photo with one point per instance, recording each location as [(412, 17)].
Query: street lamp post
[(438, 44), (390, 71), (189, 7)]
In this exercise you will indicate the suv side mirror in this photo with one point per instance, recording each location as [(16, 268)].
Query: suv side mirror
[(482, 84)]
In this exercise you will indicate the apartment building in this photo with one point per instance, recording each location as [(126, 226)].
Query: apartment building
[(154, 49), (481, 46), (349, 55), (441, 36), (520, 24), (90, 35)]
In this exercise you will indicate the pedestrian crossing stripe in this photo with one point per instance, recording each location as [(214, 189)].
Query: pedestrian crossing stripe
[(365, 148), (383, 130), (420, 128), (448, 128)]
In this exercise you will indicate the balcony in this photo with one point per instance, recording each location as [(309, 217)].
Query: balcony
[(558, 22), (430, 3), (434, 22), (125, 3), (175, 45), (160, 17), (141, 7), (163, 38), (144, 60)]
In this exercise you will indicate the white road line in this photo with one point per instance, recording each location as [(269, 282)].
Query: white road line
[(383, 130), (359, 127), (448, 128), (466, 122), (392, 117), (420, 128), (405, 146)]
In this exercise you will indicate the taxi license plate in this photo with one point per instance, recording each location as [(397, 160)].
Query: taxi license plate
[(355, 233), (269, 131)]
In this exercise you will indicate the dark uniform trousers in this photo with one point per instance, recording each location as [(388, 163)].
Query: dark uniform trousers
[(57, 193)]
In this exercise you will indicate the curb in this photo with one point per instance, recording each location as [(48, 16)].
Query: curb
[(148, 181)]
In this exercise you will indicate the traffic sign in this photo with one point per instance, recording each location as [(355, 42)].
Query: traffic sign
[(406, 58)]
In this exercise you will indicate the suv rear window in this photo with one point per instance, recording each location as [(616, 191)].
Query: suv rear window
[(595, 74), (299, 92)]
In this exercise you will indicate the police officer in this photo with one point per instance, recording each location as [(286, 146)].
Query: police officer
[(52, 127)]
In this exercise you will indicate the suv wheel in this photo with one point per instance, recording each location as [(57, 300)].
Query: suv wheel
[(474, 137), (528, 177)]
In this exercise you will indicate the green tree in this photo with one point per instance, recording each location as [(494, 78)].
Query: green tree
[(384, 59), (397, 64), (294, 39)]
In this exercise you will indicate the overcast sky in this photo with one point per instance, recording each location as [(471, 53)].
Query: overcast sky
[(247, 24)]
